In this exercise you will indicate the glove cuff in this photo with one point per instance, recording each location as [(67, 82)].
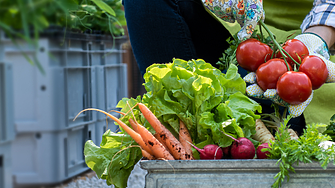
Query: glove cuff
[(314, 43), (319, 37)]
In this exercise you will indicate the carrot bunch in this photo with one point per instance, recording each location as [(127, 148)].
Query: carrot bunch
[(162, 145)]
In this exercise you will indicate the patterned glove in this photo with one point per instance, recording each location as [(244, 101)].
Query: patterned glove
[(246, 12), (316, 46)]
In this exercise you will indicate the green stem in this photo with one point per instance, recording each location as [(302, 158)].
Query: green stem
[(261, 31), (281, 50)]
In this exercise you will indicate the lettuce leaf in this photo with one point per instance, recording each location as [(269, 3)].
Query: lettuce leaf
[(203, 98), (114, 159)]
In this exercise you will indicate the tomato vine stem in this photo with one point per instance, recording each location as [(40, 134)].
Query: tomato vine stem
[(281, 50)]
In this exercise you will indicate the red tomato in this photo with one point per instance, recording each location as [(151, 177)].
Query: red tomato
[(251, 53), (294, 87), (268, 73), (295, 48), (316, 70)]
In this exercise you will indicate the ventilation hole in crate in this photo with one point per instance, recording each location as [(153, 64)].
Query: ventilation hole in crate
[(42, 49), (38, 135), (43, 87), (1, 163), (104, 129), (89, 135)]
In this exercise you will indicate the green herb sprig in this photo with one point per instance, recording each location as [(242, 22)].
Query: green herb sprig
[(306, 149)]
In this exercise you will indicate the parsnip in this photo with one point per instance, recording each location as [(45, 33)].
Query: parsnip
[(262, 135)]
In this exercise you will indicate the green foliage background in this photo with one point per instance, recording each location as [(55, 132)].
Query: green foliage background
[(26, 19)]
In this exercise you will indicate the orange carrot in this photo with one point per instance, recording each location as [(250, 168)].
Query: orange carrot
[(172, 143), (156, 135), (158, 150), (133, 125), (147, 156), (137, 137), (185, 138)]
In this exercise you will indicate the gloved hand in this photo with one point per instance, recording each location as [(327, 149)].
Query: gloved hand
[(246, 12), (316, 46)]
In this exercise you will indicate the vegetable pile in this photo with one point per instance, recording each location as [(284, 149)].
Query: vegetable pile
[(211, 105), (193, 111)]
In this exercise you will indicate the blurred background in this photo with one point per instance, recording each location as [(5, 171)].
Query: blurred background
[(58, 57)]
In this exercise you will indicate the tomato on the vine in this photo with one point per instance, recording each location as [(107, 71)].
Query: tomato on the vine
[(295, 48), (294, 87), (316, 70), (268, 73), (251, 53)]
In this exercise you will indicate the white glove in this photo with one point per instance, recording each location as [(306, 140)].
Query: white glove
[(316, 46), (246, 12), (271, 94)]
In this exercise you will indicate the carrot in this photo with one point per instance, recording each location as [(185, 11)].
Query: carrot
[(147, 156), (156, 135), (137, 137), (263, 134), (185, 138), (174, 146), (133, 125), (158, 150)]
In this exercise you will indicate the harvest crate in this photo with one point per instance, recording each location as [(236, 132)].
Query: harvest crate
[(6, 180), (46, 158), (6, 103), (49, 102), (253, 173), (44, 105)]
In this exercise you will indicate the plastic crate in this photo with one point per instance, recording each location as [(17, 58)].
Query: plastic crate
[(6, 103), (108, 91), (46, 158), (6, 180), (50, 101), (48, 143)]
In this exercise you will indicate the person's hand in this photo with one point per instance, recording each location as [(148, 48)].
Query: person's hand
[(246, 12), (316, 46), (255, 91)]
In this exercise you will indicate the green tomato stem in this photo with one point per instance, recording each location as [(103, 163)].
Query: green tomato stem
[(281, 50)]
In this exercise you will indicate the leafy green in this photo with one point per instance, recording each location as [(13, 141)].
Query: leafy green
[(330, 129), (23, 19), (114, 159), (202, 97), (305, 149)]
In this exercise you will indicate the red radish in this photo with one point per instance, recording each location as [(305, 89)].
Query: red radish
[(210, 151), (262, 154), (226, 152), (242, 148)]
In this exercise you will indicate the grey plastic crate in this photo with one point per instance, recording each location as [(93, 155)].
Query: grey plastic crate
[(46, 158), (253, 173), (49, 144), (50, 102), (115, 91), (6, 103), (6, 180), (108, 91)]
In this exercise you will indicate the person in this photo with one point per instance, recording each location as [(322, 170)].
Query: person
[(190, 29)]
